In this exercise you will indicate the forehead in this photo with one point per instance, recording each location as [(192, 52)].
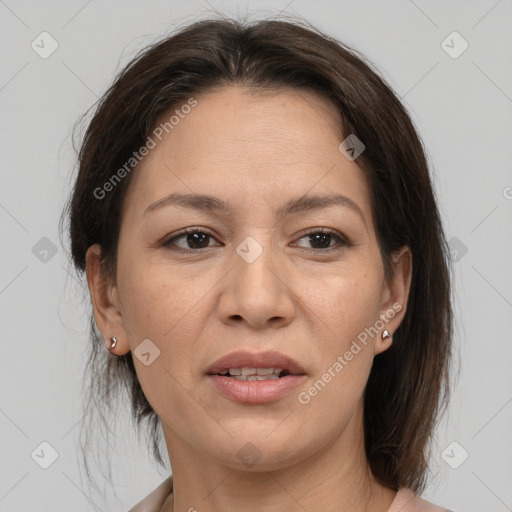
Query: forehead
[(233, 143)]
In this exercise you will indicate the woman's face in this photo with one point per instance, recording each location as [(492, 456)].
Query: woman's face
[(253, 281)]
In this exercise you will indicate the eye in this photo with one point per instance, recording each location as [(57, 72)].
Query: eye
[(196, 239), (323, 238)]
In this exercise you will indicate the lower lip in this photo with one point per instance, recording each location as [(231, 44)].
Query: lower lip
[(256, 391)]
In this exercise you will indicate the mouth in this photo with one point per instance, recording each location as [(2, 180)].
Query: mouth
[(249, 366), (256, 378), (251, 374)]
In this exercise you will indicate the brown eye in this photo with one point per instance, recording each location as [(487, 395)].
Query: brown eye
[(194, 240), (325, 240)]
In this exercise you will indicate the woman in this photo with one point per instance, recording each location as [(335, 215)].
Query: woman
[(268, 269)]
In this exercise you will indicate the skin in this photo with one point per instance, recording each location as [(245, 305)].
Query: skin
[(256, 152)]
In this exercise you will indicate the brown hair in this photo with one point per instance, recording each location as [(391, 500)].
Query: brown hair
[(408, 386)]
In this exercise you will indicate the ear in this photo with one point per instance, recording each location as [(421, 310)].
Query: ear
[(395, 293), (105, 302)]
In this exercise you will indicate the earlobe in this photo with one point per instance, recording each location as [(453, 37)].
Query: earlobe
[(395, 297), (105, 305)]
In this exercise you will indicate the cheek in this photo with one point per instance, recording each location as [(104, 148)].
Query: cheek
[(161, 301), (169, 305), (172, 318), (347, 309), (346, 304)]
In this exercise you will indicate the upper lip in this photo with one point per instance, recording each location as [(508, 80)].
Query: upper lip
[(245, 359)]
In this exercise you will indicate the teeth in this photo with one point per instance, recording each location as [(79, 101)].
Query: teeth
[(255, 377), (264, 371), (253, 373)]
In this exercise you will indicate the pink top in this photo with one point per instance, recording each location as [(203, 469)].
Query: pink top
[(405, 501)]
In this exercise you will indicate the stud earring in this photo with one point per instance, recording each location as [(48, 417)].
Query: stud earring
[(113, 343), (386, 334)]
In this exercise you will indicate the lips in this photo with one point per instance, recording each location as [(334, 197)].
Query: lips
[(276, 376), (268, 359)]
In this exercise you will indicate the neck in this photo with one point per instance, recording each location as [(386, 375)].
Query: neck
[(334, 479)]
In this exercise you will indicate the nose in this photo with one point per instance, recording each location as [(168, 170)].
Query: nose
[(259, 289)]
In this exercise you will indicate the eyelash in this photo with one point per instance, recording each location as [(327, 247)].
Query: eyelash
[(340, 244)]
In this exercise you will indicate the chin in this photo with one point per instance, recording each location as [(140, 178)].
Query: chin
[(258, 447)]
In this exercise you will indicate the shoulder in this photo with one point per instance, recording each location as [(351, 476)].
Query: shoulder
[(155, 499), (406, 501)]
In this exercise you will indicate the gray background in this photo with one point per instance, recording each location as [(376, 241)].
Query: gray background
[(462, 108)]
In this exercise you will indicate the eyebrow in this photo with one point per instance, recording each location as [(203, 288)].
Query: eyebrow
[(294, 206)]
